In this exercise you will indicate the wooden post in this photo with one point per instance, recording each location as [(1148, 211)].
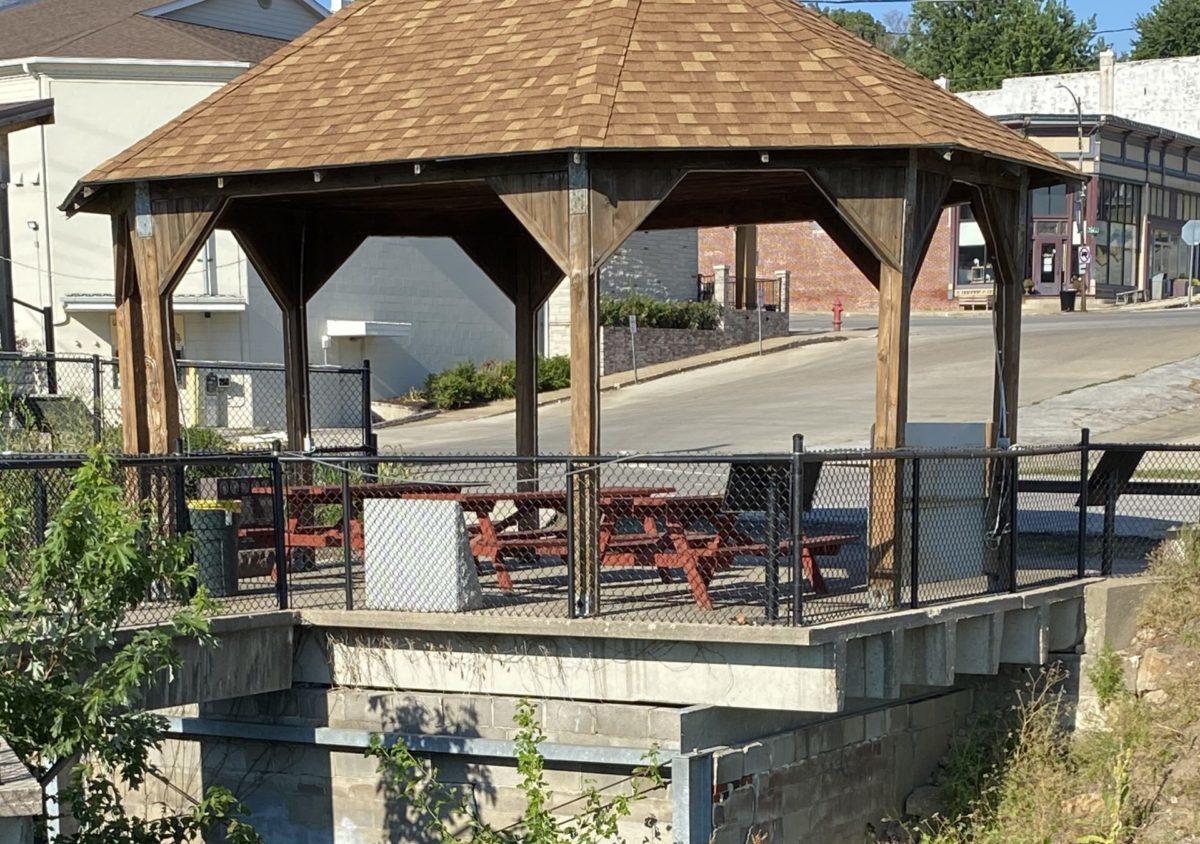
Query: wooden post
[(887, 213), (745, 247), (160, 239), (294, 261), (525, 329), (580, 216)]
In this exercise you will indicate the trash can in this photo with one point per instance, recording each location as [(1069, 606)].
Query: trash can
[(215, 537), (1066, 300)]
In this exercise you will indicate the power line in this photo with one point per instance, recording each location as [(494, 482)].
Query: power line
[(108, 279)]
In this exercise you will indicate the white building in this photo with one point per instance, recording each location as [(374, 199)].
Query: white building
[(118, 69)]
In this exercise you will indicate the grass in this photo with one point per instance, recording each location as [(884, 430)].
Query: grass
[(1132, 781)]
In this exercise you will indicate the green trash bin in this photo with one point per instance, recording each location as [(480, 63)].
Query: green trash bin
[(215, 536)]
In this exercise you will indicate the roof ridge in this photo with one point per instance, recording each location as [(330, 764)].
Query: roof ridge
[(157, 21), (616, 88), (315, 33)]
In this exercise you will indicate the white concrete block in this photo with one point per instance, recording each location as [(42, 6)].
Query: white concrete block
[(417, 557)]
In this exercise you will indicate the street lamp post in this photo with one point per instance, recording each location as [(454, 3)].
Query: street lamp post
[(1077, 212)]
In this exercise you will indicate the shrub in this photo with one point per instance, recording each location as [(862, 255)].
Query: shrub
[(455, 387), (651, 313), (554, 373), (466, 384)]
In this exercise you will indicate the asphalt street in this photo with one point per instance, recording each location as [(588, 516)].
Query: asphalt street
[(1127, 376)]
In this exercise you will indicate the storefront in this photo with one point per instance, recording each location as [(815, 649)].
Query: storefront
[(1143, 184)]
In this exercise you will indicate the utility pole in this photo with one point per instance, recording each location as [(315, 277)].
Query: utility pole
[(1077, 210)]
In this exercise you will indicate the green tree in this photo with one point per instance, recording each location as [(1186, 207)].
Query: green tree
[(866, 26), (447, 816), (1171, 28), (978, 43), (70, 678)]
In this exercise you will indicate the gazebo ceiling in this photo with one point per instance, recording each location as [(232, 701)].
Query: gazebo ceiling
[(388, 81)]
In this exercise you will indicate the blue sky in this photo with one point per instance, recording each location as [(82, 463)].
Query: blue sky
[(1110, 14)]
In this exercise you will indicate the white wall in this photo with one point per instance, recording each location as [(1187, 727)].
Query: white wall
[(1160, 92), (456, 313), (95, 118), (284, 18)]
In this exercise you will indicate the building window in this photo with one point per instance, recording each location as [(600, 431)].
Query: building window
[(1189, 207), (1049, 202), (1119, 222), (1168, 253), (1160, 203), (973, 266)]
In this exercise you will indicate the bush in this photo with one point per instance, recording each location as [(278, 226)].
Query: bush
[(466, 384), (553, 373), (651, 313)]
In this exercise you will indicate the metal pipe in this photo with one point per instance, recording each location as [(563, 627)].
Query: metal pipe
[(278, 522), (797, 529), (772, 561), (347, 550), (1014, 475), (1084, 465), (572, 598), (357, 740), (914, 600), (366, 404), (97, 400)]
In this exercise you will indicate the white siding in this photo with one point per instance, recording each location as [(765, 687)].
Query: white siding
[(456, 313), (284, 19)]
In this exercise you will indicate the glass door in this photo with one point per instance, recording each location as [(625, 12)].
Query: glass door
[(1048, 266)]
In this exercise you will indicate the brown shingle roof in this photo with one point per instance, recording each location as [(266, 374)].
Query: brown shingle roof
[(394, 80), (116, 29)]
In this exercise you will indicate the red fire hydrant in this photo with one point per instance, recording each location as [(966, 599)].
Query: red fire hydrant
[(837, 314)]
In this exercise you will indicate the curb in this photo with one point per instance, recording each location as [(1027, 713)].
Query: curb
[(621, 380)]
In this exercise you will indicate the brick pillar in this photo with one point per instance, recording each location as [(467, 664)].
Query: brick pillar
[(784, 277), (720, 284)]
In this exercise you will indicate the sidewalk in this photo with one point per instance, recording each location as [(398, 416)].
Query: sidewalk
[(617, 380)]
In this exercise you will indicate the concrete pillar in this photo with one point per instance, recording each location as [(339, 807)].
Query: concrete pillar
[(784, 277), (720, 284), (1108, 79)]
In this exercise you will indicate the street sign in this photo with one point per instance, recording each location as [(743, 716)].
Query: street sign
[(1085, 256), (1191, 232), (633, 323), (1093, 230), (760, 297)]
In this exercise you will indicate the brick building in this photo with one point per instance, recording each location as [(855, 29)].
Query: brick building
[(820, 272)]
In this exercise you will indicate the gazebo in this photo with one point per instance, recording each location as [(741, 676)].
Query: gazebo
[(539, 135)]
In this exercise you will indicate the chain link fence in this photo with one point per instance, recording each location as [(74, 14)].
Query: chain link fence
[(778, 539), (68, 403)]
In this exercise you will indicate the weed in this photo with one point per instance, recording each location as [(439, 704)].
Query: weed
[(1108, 676)]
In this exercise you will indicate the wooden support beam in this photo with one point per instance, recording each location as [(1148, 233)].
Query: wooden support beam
[(295, 261), (892, 213), (160, 239), (128, 317)]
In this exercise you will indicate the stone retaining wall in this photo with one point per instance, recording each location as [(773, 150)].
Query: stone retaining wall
[(662, 345), (824, 783)]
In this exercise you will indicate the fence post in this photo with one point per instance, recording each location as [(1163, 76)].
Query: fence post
[(1014, 480), (1085, 438), (914, 543), (51, 366), (1110, 524), (347, 549), (772, 561), (368, 428), (572, 602), (797, 527), (179, 493), (278, 521), (97, 400)]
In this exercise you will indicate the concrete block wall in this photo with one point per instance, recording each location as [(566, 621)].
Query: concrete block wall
[(311, 794), (661, 345), (822, 273), (823, 783)]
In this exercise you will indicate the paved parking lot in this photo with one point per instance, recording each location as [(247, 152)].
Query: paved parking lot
[(1129, 376)]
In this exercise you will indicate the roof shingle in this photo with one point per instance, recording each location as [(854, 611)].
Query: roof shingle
[(396, 80)]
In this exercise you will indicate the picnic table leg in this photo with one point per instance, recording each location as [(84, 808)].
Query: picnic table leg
[(697, 577), (813, 573), (487, 544)]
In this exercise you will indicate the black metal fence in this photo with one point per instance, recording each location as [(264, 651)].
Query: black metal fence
[(66, 403), (771, 294), (782, 539)]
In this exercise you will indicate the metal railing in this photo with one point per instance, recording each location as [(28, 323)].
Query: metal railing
[(771, 292), (794, 538), (66, 403)]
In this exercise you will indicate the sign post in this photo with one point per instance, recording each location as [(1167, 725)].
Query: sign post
[(1191, 236), (633, 344)]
